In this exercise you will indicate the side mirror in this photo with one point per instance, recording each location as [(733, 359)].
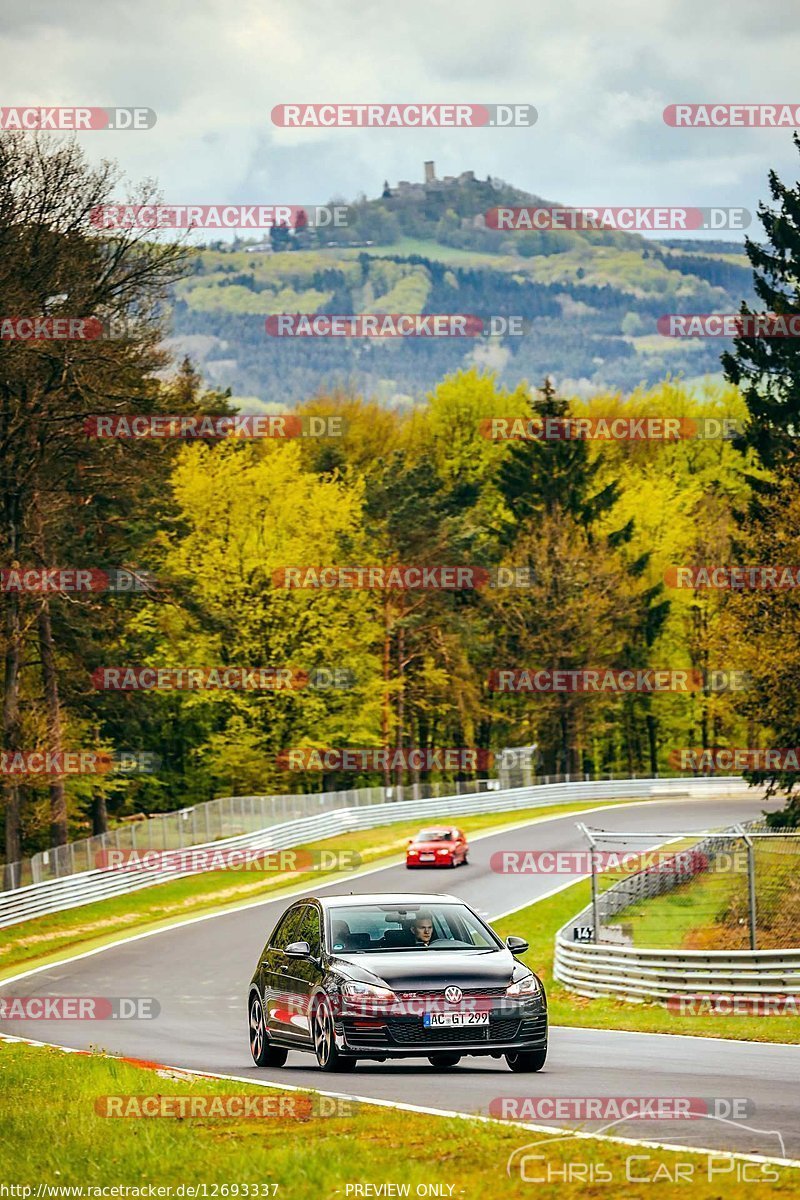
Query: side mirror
[(303, 950), (516, 945)]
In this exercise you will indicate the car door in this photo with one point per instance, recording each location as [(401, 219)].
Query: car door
[(462, 845), (278, 991), (302, 975)]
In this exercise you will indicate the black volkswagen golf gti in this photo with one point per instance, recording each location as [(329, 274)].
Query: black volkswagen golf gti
[(393, 976)]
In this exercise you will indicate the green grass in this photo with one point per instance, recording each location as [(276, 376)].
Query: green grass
[(52, 1133), (38, 941), (669, 920), (539, 923), (404, 247)]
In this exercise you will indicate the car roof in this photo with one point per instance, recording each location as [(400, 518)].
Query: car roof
[(411, 898)]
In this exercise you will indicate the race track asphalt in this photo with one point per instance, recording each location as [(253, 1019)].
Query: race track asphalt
[(199, 972)]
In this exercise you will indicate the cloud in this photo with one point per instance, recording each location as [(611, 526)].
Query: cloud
[(600, 76)]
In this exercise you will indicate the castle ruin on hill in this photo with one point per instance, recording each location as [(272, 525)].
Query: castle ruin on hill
[(430, 184)]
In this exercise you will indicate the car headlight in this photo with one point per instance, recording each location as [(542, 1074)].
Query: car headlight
[(444, 850), (367, 991), (527, 986)]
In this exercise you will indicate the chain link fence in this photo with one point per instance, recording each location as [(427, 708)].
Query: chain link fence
[(212, 821), (732, 889), (230, 816)]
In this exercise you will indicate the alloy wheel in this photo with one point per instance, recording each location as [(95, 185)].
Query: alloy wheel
[(323, 1033), (256, 1029)]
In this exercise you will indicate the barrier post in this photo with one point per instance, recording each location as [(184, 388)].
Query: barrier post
[(751, 884), (595, 909)]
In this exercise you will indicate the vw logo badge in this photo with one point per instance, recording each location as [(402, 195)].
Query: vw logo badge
[(453, 994)]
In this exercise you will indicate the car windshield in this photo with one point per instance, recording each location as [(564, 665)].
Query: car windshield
[(434, 835), (375, 928)]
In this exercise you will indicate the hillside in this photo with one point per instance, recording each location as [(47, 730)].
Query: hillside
[(592, 299)]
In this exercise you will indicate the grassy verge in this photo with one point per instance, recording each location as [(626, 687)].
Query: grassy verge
[(538, 924), (38, 941), (52, 1134)]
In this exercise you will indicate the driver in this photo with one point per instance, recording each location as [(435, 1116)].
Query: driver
[(422, 928)]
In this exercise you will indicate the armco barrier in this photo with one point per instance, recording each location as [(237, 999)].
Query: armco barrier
[(57, 894), (640, 974)]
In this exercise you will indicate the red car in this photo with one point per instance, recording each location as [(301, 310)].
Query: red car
[(438, 846)]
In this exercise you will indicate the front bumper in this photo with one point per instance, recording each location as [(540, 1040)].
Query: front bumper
[(521, 1028)]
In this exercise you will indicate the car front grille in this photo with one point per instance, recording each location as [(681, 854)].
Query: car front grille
[(409, 1033)]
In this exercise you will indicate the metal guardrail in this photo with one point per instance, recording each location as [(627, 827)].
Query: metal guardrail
[(229, 816), (603, 968), (88, 886)]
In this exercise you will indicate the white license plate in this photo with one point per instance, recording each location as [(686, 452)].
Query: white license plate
[(455, 1018), (427, 857)]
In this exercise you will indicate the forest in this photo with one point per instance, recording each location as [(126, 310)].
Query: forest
[(188, 666)]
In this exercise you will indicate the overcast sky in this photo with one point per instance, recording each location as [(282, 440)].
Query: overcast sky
[(599, 74)]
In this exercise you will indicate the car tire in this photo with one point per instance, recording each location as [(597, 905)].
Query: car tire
[(325, 1048), (263, 1054), (443, 1061), (527, 1060)]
